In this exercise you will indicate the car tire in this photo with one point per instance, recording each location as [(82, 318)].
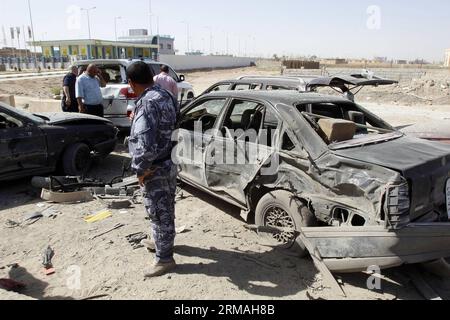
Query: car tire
[(282, 209), (77, 160)]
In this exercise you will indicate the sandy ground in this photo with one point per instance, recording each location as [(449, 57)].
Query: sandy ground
[(218, 258)]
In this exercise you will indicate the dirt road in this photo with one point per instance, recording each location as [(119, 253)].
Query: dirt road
[(218, 258)]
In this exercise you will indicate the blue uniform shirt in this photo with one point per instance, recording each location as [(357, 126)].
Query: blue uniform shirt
[(89, 89), (151, 132)]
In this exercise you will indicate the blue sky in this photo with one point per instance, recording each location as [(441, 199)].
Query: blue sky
[(405, 29)]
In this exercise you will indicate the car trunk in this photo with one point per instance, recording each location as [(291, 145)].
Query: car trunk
[(425, 164)]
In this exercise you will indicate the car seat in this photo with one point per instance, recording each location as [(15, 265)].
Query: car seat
[(252, 119), (358, 118)]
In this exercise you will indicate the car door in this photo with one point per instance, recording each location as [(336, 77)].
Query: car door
[(23, 144), (195, 133), (241, 148)]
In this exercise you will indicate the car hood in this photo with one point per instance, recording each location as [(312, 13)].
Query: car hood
[(64, 118), (424, 164), (403, 154)]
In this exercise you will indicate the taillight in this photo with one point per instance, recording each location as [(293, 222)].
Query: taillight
[(129, 113), (127, 93)]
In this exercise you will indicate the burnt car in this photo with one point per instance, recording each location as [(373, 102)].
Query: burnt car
[(348, 85), (269, 83), (32, 144), (362, 192)]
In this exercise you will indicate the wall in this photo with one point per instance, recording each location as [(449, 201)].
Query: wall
[(183, 63)]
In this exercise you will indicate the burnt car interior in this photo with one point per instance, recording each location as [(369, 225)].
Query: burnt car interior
[(336, 122), (8, 122)]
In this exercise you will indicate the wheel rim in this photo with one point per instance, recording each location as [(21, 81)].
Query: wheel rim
[(279, 218)]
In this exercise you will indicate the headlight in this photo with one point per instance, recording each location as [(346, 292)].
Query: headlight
[(397, 206)]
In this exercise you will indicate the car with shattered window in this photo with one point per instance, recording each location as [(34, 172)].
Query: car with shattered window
[(361, 192), (269, 83), (34, 144)]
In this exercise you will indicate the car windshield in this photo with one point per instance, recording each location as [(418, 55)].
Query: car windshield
[(346, 125), (111, 73), (23, 114)]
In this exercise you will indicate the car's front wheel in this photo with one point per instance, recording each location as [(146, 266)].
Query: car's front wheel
[(281, 209), (77, 159)]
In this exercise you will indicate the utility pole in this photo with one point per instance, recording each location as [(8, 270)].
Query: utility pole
[(211, 48), (89, 19), (188, 35), (150, 17), (115, 26), (32, 34)]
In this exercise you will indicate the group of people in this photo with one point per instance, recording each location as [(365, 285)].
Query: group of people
[(82, 89), (150, 144)]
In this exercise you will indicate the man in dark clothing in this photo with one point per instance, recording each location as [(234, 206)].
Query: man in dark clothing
[(151, 149), (69, 101)]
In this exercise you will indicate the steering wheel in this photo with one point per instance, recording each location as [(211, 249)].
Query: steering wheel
[(210, 120)]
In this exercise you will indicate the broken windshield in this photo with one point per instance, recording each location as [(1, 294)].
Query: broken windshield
[(346, 125)]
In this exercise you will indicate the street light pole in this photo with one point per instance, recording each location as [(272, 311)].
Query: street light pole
[(89, 19), (115, 26), (32, 33), (188, 35)]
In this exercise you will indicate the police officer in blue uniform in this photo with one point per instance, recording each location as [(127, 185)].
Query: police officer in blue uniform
[(151, 145)]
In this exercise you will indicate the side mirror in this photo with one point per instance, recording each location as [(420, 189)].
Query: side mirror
[(182, 78)]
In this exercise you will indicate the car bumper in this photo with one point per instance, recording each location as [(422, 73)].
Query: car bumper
[(356, 249), (105, 148)]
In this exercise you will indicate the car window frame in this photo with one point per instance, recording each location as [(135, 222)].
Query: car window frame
[(203, 100)]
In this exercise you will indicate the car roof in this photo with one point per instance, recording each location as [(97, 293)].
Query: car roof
[(125, 62), (269, 81), (287, 97)]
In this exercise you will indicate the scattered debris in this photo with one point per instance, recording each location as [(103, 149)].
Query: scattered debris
[(317, 259), (11, 224), (48, 255), (68, 197), (135, 240), (99, 216), (32, 218), (181, 230), (97, 297), (117, 226), (120, 204)]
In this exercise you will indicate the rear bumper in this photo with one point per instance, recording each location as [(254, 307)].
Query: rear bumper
[(356, 249), (121, 122), (105, 148)]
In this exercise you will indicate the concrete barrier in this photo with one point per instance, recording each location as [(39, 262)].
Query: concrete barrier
[(8, 99), (186, 63)]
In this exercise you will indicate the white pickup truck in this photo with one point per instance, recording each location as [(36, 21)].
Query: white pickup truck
[(118, 98)]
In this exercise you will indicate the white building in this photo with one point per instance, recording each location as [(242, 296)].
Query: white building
[(447, 58), (166, 43)]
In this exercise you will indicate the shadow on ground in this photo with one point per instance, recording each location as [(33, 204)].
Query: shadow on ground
[(35, 288)]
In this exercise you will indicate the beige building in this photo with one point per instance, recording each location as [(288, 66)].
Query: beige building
[(447, 58)]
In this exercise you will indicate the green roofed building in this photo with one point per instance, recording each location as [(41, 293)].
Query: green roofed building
[(95, 49)]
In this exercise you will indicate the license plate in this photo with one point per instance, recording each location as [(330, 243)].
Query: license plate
[(447, 192)]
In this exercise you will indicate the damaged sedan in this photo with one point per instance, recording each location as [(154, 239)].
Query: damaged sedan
[(32, 144), (360, 191)]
